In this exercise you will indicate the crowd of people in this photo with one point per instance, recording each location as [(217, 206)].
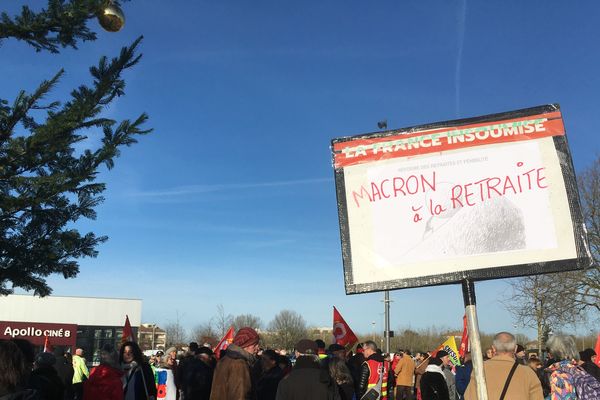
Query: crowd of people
[(313, 371)]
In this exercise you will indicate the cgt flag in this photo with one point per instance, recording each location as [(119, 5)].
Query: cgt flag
[(127, 332), (224, 343), (342, 333), (449, 346), (464, 341)]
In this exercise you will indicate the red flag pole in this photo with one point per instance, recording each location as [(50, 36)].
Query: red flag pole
[(224, 343), (47, 345), (464, 341), (127, 332), (597, 350)]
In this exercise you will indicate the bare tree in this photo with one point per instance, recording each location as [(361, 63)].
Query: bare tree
[(536, 302), (585, 286), (222, 321), (176, 334), (288, 328), (205, 333), (250, 320)]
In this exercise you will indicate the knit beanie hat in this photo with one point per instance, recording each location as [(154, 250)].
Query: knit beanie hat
[(245, 337), (170, 350)]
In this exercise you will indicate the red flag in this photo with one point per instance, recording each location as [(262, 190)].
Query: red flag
[(127, 332), (597, 350), (47, 346), (464, 341), (224, 343), (342, 333)]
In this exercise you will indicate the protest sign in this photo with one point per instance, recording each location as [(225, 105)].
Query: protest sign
[(449, 346), (482, 198)]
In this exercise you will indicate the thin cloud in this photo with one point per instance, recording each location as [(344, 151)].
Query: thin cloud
[(223, 187)]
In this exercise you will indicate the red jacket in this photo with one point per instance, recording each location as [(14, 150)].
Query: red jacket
[(104, 383)]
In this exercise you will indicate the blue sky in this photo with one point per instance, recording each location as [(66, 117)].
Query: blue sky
[(231, 199)]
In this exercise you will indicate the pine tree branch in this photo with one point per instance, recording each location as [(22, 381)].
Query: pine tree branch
[(46, 184), (60, 25), (23, 104)]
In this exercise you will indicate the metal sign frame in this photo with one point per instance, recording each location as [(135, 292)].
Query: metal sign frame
[(583, 259)]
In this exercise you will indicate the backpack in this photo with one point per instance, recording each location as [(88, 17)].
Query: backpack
[(586, 386), (561, 384)]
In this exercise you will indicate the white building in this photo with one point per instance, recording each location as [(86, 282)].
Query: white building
[(86, 322)]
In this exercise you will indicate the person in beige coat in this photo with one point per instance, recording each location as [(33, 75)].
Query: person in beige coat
[(404, 372), (524, 384)]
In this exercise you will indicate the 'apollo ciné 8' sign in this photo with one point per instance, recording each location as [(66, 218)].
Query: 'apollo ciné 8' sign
[(36, 333)]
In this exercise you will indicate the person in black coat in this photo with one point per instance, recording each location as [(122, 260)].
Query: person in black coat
[(587, 357), (307, 381), (196, 375), (433, 383), (64, 369), (354, 363), (266, 388), (44, 378)]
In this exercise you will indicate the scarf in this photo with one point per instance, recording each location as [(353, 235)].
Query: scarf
[(435, 368)]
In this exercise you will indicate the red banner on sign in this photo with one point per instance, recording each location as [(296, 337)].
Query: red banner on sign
[(357, 151)]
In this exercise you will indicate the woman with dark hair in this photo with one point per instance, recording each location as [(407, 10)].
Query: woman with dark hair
[(13, 373), (138, 381), (342, 377), (588, 358)]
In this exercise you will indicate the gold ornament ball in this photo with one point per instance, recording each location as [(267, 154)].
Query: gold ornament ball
[(111, 18)]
